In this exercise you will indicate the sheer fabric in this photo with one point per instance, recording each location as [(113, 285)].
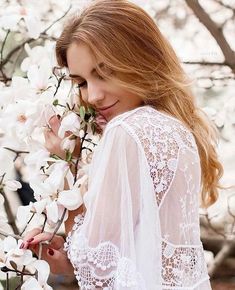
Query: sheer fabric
[(141, 226)]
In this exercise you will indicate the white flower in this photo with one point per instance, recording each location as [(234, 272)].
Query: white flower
[(18, 119), (73, 198), (43, 270), (81, 133), (37, 159), (52, 212), (39, 75), (20, 256), (68, 144), (14, 13), (9, 243), (20, 89), (23, 214), (4, 226), (6, 161), (36, 55), (12, 185), (32, 283), (71, 123)]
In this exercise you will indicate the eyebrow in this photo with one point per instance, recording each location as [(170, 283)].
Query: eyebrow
[(74, 76)]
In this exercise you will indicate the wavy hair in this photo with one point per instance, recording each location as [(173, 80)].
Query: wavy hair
[(131, 45)]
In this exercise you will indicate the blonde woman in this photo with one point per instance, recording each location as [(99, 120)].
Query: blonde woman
[(155, 164)]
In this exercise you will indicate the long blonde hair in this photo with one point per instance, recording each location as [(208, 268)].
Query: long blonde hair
[(130, 44)]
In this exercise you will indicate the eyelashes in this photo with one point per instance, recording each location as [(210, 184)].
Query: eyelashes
[(84, 84), (81, 85)]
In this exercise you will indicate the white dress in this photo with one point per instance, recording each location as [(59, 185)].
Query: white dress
[(141, 227)]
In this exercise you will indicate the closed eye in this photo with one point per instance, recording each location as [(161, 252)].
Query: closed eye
[(83, 84)]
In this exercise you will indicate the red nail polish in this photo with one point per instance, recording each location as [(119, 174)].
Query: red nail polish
[(22, 246), (50, 252), (30, 240)]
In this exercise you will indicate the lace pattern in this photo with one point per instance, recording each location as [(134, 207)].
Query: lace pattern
[(182, 266), (101, 266), (161, 137), (163, 141)]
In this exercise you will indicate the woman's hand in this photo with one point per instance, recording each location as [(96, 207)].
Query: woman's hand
[(53, 253), (53, 141)]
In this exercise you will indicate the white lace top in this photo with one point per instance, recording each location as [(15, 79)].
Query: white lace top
[(141, 228)]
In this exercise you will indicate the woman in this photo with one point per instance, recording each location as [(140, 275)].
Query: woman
[(139, 226)]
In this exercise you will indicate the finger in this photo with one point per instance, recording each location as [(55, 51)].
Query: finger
[(31, 234), (28, 237), (57, 242), (41, 237), (59, 262), (54, 123)]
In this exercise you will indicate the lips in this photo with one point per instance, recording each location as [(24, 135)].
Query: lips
[(107, 107)]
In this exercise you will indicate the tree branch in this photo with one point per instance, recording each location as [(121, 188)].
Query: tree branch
[(215, 31), (205, 63)]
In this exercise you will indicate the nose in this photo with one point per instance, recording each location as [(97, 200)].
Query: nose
[(95, 94)]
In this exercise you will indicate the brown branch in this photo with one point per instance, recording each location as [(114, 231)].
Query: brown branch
[(10, 215), (221, 257), (205, 63), (215, 31), (221, 3)]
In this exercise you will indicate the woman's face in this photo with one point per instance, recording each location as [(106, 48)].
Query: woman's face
[(105, 96)]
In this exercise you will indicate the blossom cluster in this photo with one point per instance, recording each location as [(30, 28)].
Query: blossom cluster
[(29, 97)]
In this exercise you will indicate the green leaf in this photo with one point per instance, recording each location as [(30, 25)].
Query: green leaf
[(93, 128), (68, 156), (55, 156), (91, 111), (82, 112)]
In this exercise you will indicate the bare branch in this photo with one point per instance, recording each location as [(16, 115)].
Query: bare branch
[(205, 63), (221, 3), (215, 31), (220, 257), (10, 214)]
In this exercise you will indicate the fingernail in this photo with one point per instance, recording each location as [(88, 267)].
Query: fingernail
[(22, 246), (30, 240), (50, 252)]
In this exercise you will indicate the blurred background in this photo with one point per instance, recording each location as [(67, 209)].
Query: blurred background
[(203, 36)]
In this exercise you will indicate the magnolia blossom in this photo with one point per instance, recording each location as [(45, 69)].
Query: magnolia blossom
[(43, 271), (14, 13), (4, 226), (71, 122), (46, 192), (17, 119), (38, 159), (73, 198), (68, 144), (12, 185), (36, 55), (6, 158), (19, 90), (18, 259), (39, 75), (11, 252)]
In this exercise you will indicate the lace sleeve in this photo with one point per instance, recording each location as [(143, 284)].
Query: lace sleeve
[(174, 167), (108, 248)]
